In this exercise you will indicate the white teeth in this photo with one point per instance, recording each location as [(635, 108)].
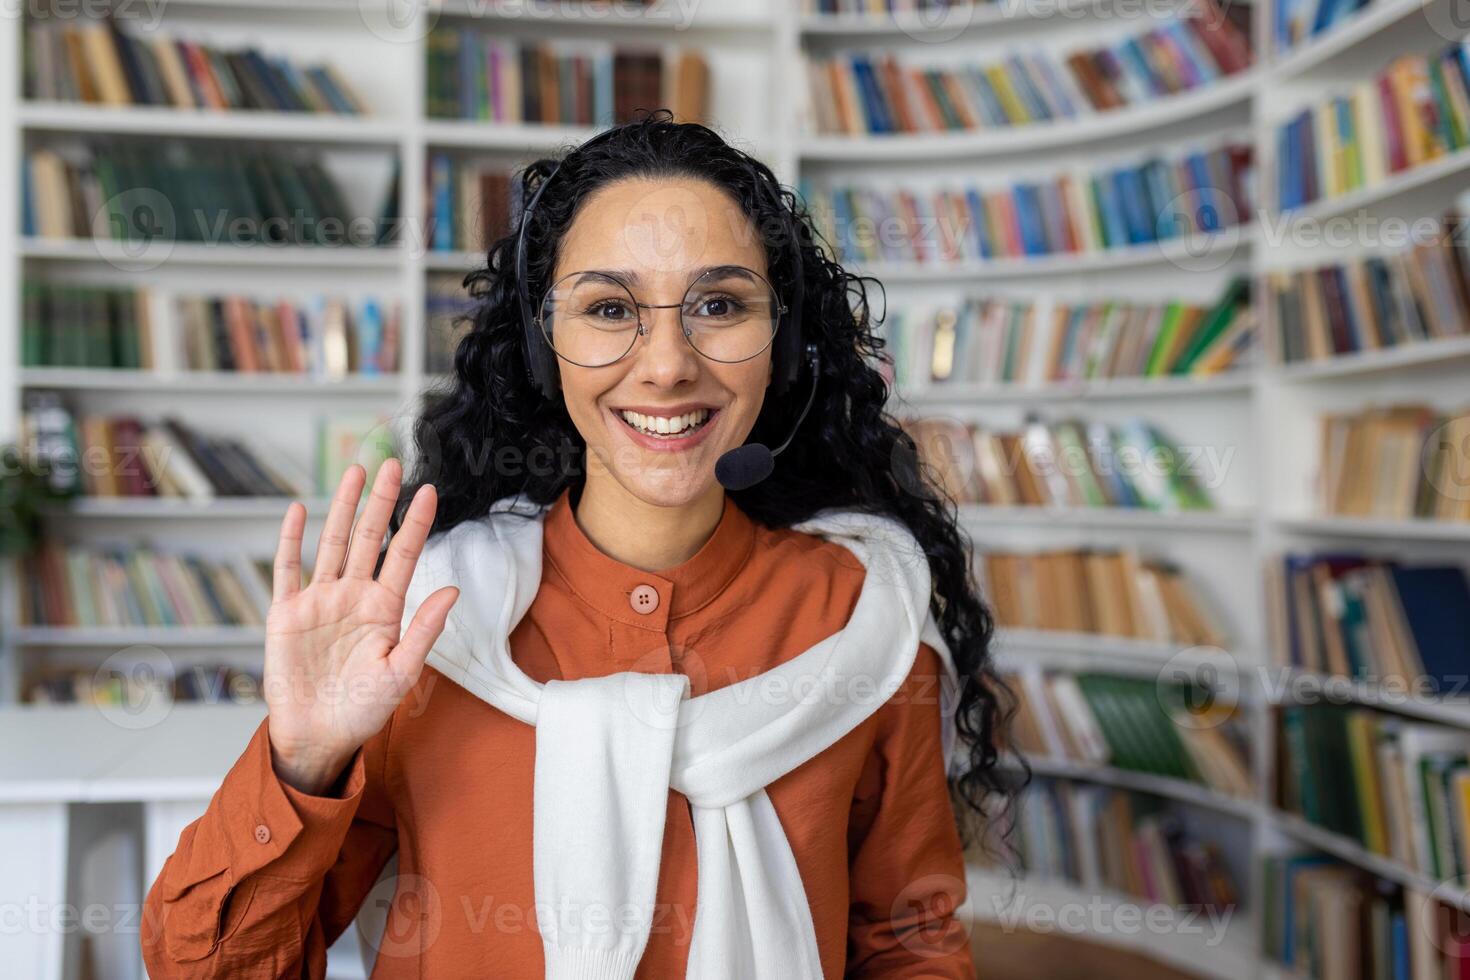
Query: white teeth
[(666, 425)]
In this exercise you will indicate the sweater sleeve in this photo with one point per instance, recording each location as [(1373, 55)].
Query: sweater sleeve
[(907, 865), (264, 881)]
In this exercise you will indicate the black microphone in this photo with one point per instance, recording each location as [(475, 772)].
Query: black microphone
[(745, 466)]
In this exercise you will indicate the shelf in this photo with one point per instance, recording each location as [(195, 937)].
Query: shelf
[(1092, 651), (1419, 529), (195, 253), (1452, 165), (918, 24), (207, 382), (1195, 794), (1222, 521), (235, 124), (1336, 689), (166, 508), (519, 138), (1101, 389), (1219, 945), (1217, 248), (123, 636), (1344, 37), (658, 17), (1235, 90), (1352, 852), (1414, 354)]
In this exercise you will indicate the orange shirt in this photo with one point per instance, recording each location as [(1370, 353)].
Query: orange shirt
[(263, 882)]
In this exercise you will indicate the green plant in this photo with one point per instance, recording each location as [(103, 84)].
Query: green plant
[(25, 492)]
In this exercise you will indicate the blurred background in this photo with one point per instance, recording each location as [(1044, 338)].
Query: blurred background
[(1176, 294)]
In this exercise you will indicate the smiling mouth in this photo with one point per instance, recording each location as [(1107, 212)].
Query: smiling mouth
[(668, 427)]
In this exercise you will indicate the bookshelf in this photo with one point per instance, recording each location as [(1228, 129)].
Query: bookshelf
[(1266, 414)]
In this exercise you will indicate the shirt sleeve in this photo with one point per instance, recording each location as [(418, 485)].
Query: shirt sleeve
[(264, 881), (907, 863)]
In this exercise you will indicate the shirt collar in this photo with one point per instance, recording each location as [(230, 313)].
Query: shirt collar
[(607, 584)]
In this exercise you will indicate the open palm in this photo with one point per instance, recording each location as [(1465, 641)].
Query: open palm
[(335, 664)]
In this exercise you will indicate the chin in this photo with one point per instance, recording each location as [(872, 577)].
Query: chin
[(674, 488)]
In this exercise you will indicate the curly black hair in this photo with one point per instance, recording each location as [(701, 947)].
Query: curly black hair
[(491, 433)]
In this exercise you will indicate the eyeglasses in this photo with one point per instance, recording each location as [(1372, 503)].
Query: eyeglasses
[(729, 314)]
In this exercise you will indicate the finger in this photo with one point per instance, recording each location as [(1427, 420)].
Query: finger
[(405, 547), (332, 545), (367, 539), (407, 658), (286, 575)]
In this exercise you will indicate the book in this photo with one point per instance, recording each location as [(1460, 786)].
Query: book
[(97, 61), (481, 75), (884, 93), (1103, 591), (1413, 111), (1129, 466), (1395, 462), (1091, 210)]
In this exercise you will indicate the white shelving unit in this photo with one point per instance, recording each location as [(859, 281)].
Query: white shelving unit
[(1266, 417)]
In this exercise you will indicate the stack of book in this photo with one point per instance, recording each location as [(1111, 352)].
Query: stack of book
[(1130, 723), (144, 686), (186, 192), (474, 74), (1295, 21), (875, 93), (67, 324), (1376, 301), (78, 585), (321, 337), (95, 61), (1060, 464), (1371, 619), (1396, 462), (1007, 341), (1113, 593), (1399, 788), (126, 456), (1415, 111), (1324, 918), (470, 204), (1085, 212), (447, 320), (1125, 843)]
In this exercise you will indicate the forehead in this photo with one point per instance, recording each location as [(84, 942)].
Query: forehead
[(660, 227)]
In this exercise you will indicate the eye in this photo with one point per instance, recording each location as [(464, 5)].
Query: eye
[(718, 306), (613, 310)]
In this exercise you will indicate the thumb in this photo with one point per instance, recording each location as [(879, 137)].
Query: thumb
[(407, 658)]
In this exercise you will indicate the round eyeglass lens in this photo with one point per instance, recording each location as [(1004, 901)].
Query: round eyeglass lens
[(730, 314), (589, 318)]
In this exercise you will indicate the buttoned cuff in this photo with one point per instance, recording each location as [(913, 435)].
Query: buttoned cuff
[(267, 822)]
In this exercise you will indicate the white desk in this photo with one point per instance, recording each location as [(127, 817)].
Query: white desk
[(53, 760)]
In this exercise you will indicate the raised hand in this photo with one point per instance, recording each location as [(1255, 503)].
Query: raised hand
[(335, 664)]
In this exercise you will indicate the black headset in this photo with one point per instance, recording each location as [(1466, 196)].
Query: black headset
[(541, 359)]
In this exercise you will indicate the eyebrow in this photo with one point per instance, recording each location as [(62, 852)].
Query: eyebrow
[(630, 277)]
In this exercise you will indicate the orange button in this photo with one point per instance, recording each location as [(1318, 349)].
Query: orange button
[(262, 833), (643, 599)]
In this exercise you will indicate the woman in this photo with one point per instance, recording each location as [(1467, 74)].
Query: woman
[(658, 270)]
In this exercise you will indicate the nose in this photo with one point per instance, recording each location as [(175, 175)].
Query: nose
[(667, 358)]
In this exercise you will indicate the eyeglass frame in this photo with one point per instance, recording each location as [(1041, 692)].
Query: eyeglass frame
[(643, 329)]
